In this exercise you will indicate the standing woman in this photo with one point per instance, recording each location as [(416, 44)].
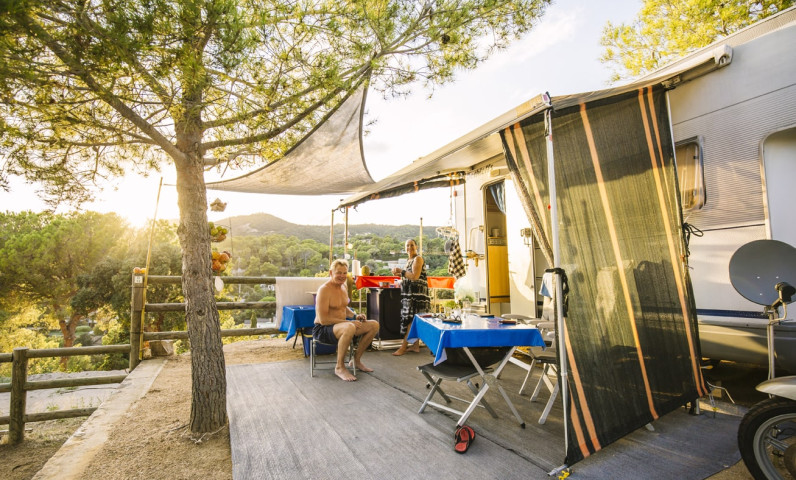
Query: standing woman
[(414, 294)]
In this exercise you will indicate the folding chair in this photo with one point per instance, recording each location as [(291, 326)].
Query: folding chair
[(549, 376), (526, 351), (460, 373), (319, 348)]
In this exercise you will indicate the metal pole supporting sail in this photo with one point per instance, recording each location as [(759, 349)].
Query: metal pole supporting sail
[(551, 178)]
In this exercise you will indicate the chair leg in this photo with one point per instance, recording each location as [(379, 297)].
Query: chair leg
[(434, 388), (539, 383), (552, 385), (312, 357), (351, 356), (549, 406), (527, 375)]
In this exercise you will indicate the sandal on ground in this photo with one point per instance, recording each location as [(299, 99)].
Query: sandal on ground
[(463, 436)]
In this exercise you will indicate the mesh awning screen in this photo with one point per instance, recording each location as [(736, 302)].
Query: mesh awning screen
[(630, 328), (328, 160)]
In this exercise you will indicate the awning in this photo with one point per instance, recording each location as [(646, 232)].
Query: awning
[(328, 160), (484, 143)]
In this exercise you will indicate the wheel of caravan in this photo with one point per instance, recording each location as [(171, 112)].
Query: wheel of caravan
[(767, 439)]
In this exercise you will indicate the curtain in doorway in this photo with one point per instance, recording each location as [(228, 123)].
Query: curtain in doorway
[(498, 194)]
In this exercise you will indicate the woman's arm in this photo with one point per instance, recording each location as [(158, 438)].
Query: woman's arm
[(417, 268)]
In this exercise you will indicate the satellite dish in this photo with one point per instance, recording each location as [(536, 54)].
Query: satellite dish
[(758, 266)]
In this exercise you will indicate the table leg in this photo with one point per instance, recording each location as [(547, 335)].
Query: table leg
[(483, 400), (480, 393), (301, 332), (488, 381)]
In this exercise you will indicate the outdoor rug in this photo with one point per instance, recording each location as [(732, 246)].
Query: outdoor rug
[(286, 425)]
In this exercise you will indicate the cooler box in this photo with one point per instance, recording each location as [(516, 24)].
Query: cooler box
[(320, 349)]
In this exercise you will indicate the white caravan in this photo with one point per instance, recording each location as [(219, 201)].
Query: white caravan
[(734, 128)]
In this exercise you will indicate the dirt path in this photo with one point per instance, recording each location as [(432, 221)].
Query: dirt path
[(152, 441)]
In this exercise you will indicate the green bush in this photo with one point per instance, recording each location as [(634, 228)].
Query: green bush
[(85, 339), (117, 335)]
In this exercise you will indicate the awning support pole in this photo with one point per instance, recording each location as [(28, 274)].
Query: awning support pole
[(345, 240), (551, 173), (331, 241)]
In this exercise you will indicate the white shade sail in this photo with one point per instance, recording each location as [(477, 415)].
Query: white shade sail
[(328, 160)]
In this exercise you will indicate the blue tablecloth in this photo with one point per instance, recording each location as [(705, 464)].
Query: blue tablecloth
[(472, 332), (295, 317)]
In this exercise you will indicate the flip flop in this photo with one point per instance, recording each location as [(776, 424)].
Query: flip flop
[(464, 435), (469, 430)]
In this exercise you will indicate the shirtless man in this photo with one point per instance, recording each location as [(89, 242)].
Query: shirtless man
[(331, 310)]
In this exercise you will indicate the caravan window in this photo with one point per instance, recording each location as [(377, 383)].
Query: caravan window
[(688, 155)]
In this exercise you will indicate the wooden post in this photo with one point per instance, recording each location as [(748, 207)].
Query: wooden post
[(19, 375), (331, 241), (136, 307), (420, 245), (345, 236)]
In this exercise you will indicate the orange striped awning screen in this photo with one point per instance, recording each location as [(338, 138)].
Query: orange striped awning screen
[(630, 327)]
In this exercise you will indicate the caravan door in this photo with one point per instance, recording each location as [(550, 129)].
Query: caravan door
[(779, 165)]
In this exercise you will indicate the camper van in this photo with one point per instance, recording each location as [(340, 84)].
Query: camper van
[(733, 122)]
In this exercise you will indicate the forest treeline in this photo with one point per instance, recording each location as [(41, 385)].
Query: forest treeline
[(65, 279)]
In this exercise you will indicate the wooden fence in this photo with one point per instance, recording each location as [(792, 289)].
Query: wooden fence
[(137, 305), (19, 385)]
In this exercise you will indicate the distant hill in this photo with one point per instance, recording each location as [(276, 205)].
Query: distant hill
[(258, 224)]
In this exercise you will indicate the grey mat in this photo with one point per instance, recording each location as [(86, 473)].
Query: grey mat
[(285, 424)]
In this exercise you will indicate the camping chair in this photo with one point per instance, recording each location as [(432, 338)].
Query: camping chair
[(436, 374), (547, 358), (317, 348), (525, 351)]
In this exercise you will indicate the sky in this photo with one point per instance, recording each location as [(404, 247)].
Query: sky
[(560, 56)]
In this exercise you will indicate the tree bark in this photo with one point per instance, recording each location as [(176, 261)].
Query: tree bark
[(68, 331), (208, 374)]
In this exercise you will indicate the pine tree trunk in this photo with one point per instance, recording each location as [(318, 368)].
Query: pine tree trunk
[(208, 375), (68, 331)]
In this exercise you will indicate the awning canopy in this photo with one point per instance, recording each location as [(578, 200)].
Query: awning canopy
[(328, 160), (484, 143), (314, 165)]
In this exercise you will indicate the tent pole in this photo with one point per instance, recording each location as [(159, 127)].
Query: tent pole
[(331, 241), (551, 173)]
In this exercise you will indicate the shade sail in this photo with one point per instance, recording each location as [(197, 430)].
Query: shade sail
[(327, 160)]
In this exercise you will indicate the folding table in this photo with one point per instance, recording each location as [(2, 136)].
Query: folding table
[(295, 317), (473, 331)]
